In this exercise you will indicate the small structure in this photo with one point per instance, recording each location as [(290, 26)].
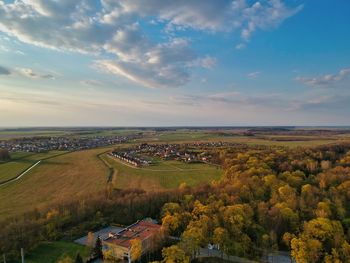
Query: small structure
[(120, 243)]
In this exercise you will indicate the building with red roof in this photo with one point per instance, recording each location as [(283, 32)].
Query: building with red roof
[(119, 244)]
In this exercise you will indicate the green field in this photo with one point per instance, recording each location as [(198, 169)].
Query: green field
[(20, 162), (50, 252), (163, 175)]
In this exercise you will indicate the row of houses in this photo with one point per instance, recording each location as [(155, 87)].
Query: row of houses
[(131, 159)]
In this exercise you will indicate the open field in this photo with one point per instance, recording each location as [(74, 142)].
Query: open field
[(72, 175), (21, 162), (52, 251), (270, 139), (10, 134), (163, 175)]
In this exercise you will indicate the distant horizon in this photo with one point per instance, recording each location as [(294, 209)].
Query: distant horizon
[(176, 126)]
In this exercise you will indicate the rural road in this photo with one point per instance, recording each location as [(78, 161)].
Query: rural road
[(20, 175)]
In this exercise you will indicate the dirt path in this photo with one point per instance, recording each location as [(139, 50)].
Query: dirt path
[(20, 175)]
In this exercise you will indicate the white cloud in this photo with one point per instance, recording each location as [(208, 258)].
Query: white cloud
[(91, 82), (240, 46), (326, 80), (254, 75), (83, 26), (29, 73), (265, 15)]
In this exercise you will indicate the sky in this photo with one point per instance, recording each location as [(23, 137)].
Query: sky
[(174, 62)]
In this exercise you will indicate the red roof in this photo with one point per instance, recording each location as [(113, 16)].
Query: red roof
[(140, 230)]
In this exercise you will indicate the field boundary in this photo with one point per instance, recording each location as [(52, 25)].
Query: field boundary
[(112, 171)]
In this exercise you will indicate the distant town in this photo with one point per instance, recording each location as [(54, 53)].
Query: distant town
[(66, 143)]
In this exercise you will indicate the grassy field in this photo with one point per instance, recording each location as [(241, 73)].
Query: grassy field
[(21, 162), (72, 175), (185, 136), (10, 134), (52, 251), (163, 175)]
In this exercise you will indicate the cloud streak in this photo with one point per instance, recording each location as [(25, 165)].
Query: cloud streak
[(326, 80)]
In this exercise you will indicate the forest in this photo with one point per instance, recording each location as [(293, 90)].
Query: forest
[(270, 198)]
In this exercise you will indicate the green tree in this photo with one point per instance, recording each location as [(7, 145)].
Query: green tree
[(97, 251), (78, 258)]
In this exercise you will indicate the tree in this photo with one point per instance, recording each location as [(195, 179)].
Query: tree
[(136, 249), (90, 240), (4, 155), (97, 252), (174, 254), (110, 257), (78, 258), (65, 259), (321, 240), (221, 239), (304, 251)]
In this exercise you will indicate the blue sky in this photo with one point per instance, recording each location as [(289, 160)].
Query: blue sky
[(169, 63)]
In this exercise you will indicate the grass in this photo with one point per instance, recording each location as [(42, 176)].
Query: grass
[(21, 162), (69, 176), (52, 252), (185, 136), (10, 134), (163, 175)]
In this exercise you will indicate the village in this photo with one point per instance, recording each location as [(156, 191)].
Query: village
[(144, 154), (67, 143)]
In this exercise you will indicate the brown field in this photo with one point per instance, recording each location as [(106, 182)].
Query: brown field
[(61, 178)]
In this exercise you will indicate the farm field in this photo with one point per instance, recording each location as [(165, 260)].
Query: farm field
[(10, 134), (71, 175), (163, 175), (180, 136), (20, 162), (52, 251)]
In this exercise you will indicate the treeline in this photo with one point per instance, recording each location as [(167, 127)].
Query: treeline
[(73, 219), (4, 155), (270, 198)]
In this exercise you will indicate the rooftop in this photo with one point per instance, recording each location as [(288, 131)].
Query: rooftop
[(140, 230)]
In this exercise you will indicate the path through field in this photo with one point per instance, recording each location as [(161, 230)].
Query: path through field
[(20, 175)]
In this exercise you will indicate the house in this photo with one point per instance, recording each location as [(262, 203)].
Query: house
[(119, 244)]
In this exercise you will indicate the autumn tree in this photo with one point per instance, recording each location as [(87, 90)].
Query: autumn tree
[(135, 249), (90, 240), (65, 259), (174, 254)]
